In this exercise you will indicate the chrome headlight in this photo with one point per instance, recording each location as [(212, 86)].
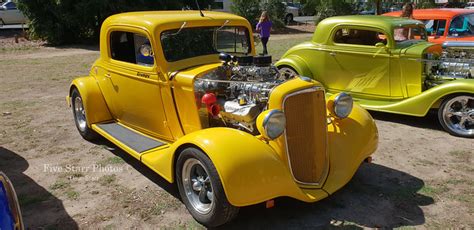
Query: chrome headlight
[(271, 123), (340, 105)]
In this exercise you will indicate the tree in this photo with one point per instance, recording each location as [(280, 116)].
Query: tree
[(248, 9), (73, 21)]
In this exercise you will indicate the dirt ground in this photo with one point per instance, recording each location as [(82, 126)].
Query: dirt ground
[(421, 176)]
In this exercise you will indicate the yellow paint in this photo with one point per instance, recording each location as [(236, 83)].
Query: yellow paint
[(164, 107)]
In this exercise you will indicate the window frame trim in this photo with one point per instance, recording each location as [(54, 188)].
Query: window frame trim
[(129, 65)]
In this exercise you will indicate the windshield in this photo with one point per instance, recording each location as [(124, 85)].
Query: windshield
[(462, 25), (408, 35), (193, 42)]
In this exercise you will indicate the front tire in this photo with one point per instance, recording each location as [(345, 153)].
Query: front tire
[(287, 72), (79, 112), (456, 115), (289, 19), (201, 189)]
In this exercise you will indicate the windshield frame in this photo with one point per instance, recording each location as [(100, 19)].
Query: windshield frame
[(216, 29)]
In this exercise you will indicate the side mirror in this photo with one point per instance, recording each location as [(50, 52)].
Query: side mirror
[(9, 206), (380, 45)]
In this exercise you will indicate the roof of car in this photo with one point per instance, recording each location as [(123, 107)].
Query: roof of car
[(434, 13), (383, 22), (153, 19)]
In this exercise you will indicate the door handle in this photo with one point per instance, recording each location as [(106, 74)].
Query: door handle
[(107, 75), (332, 54)]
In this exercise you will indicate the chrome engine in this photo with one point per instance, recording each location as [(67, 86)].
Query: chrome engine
[(235, 93), (456, 61)]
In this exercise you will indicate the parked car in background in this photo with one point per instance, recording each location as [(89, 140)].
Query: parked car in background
[(445, 24), (387, 65), (10, 14), (184, 95), (469, 5), (291, 12)]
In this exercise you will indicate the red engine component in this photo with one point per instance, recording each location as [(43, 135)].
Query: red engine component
[(210, 99)]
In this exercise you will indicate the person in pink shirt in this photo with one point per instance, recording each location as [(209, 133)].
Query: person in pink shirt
[(264, 26)]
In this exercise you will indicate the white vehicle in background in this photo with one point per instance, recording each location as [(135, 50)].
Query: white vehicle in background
[(291, 12), (469, 5), (10, 14)]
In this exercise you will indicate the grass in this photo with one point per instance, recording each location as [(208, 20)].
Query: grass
[(107, 179), (277, 47), (73, 195), (59, 184), (111, 161), (431, 190)]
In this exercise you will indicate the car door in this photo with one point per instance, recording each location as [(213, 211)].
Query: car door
[(11, 14), (358, 62), (131, 83)]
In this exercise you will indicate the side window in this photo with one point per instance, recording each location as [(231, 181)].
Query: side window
[(435, 27), (131, 48), (359, 37)]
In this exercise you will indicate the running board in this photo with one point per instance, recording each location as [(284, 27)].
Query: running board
[(130, 140)]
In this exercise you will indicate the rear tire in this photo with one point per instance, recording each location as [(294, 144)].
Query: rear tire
[(289, 19), (79, 113), (201, 189), (456, 115)]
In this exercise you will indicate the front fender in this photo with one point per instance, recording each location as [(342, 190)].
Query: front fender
[(250, 170), (350, 141), (92, 98), (297, 63), (420, 104)]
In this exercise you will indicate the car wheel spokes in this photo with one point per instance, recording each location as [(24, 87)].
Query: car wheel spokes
[(197, 186), (459, 114), (80, 113)]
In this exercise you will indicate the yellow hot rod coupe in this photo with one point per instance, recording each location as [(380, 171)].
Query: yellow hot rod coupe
[(182, 93), (387, 65)]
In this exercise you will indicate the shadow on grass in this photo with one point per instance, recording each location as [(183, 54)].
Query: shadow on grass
[(377, 197), (430, 121), (40, 208)]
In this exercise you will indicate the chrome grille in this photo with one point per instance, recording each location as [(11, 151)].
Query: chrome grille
[(306, 135)]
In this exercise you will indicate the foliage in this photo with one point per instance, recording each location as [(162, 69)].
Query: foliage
[(426, 4), (277, 11), (72, 21), (332, 8), (309, 8), (247, 9)]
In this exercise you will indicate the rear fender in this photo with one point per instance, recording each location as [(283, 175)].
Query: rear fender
[(92, 98)]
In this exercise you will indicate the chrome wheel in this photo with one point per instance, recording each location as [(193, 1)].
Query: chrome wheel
[(458, 115), (197, 185), (80, 114), (287, 73)]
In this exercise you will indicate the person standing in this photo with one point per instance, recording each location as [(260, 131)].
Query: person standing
[(264, 26), (407, 10)]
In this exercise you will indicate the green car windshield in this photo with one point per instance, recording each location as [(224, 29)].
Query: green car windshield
[(179, 44), (407, 35)]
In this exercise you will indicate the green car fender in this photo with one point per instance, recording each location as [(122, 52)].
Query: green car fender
[(295, 62)]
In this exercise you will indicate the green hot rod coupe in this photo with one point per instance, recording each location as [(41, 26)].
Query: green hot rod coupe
[(387, 65)]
